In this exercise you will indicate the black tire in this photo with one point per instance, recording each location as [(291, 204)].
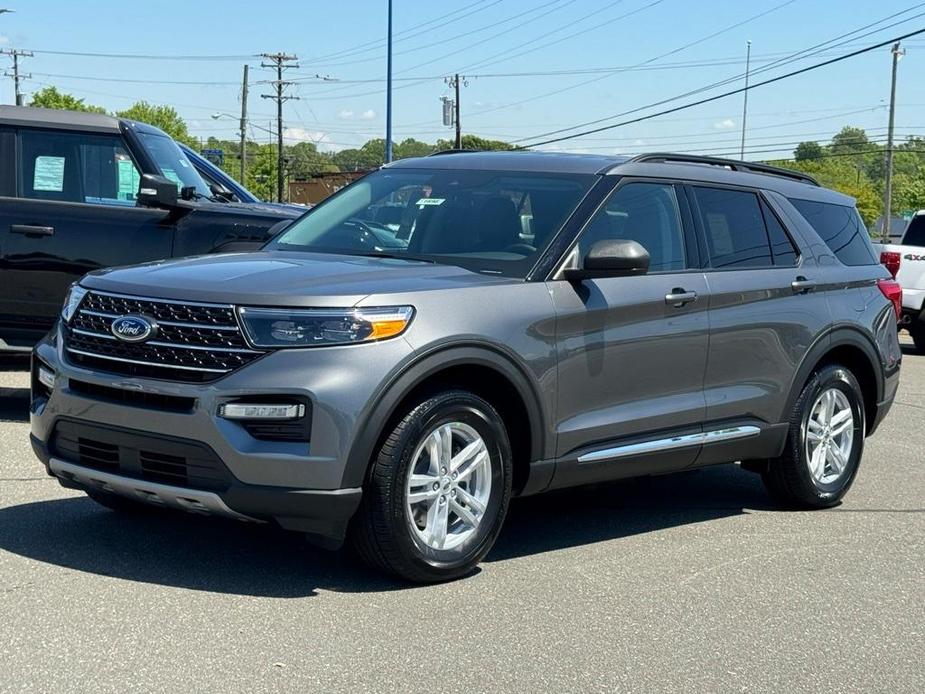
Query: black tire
[(918, 337), (381, 531), (114, 502), (788, 478)]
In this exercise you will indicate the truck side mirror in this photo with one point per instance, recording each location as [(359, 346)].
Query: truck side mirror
[(157, 191)]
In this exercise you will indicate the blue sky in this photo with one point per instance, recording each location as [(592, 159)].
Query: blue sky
[(493, 43)]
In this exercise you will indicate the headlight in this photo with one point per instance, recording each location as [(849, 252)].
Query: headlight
[(272, 327), (75, 294)]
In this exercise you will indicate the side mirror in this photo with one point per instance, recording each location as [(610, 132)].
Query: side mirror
[(222, 193), (157, 191), (611, 258)]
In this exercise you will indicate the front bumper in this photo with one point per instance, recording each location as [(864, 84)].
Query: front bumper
[(301, 485)]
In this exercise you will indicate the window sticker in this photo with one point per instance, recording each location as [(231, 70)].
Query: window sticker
[(49, 174), (430, 201), (128, 179), (172, 175)]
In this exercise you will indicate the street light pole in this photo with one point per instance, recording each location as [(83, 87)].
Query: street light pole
[(388, 93), (748, 64), (888, 187)]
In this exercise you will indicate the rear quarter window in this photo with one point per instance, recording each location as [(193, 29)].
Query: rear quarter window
[(915, 233), (841, 228)]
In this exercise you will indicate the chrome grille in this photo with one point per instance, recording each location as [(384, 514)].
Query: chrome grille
[(195, 342)]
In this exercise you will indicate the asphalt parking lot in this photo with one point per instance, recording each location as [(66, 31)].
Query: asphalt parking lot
[(692, 582)]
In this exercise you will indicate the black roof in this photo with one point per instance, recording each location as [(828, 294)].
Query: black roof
[(29, 116), (657, 165)]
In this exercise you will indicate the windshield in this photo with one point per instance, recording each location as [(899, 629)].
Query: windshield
[(173, 163), (487, 221)]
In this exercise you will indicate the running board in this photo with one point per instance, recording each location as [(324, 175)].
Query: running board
[(658, 445), (165, 495)]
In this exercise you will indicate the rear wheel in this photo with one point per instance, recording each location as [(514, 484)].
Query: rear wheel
[(438, 490), (824, 445), (918, 336)]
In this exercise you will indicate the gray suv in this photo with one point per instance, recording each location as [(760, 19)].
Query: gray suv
[(452, 331)]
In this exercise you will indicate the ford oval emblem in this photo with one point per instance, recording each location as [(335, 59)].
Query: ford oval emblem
[(133, 328)]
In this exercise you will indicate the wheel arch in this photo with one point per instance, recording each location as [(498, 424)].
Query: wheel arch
[(856, 351), (487, 371)]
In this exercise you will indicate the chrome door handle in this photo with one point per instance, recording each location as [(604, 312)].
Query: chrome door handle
[(32, 230), (678, 297), (801, 285)]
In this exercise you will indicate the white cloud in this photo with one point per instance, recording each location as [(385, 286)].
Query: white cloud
[(369, 114), (294, 135), (725, 124), (345, 114)]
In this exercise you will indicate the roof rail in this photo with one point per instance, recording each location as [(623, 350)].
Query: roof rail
[(733, 164), (452, 151)]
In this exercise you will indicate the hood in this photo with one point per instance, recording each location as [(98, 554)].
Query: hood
[(282, 278), (264, 209)]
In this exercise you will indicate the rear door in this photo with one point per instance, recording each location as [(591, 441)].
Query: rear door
[(632, 351), (72, 210), (764, 310)]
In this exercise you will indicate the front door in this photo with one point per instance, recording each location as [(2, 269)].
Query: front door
[(632, 351), (73, 211)]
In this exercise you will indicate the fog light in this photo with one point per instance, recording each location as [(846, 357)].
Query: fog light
[(260, 411), (47, 378)]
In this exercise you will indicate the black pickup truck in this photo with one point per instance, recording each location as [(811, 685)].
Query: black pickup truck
[(83, 191)]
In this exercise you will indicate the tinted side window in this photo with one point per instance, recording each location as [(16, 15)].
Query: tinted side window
[(915, 232), (734, 227), (781, 246), (7, 157), (76, 168), (841, 228), (644, 212)]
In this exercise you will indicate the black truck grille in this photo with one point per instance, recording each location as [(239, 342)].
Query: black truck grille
[(194, 342), (176, 462)]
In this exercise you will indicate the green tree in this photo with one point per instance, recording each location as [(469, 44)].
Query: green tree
[(164, 117), (474, 142), (50, 97), (850, 140), (808, 151)]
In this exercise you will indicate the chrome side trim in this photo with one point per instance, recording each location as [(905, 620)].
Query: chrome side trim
[(700, 438), (136, 297), (146, 363), (191, 500)]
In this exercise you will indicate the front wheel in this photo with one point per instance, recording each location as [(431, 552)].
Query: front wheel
[(438, 490), (825, 442)]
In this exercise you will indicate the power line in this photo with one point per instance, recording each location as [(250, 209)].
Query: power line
[(143, 56), (17, 77), (706, 100), (811, 51)]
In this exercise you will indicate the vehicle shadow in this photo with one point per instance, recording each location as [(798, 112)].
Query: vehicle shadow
[(225, 557), (14, 404), (14, 362)]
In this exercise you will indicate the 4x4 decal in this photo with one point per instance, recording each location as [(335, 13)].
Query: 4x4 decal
[(912, 256)]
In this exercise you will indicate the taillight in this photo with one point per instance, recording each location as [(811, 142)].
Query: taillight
[(892, 291), (891, 259)]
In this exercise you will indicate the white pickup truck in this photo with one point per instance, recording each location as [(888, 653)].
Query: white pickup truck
[(906, 260)]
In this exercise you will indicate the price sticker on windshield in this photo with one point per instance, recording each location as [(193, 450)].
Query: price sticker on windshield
[(430, 201)]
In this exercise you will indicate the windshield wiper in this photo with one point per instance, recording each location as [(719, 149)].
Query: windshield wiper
[(399, 256)]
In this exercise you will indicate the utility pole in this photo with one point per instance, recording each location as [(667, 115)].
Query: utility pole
[(748, 64), (388, 93), (888, 188), (454, 82), (17, 78), (243, 148), (278, 61)]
